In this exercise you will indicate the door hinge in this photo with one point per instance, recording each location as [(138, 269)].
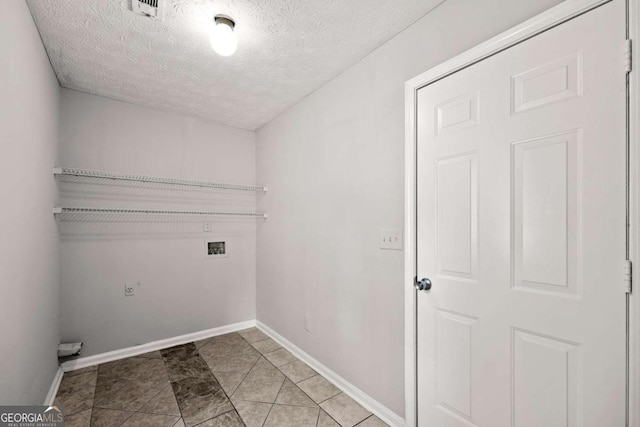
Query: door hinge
[(628, 59), (627, 276)]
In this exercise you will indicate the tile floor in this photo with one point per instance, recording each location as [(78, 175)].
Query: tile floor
[(238, 379)]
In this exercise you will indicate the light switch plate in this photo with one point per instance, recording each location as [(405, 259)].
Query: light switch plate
[(391, 238), (207, 227)]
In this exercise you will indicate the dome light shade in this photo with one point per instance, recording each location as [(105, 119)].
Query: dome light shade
[(223, 39)]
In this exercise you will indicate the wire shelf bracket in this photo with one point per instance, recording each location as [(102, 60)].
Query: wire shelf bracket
[(60, 171)]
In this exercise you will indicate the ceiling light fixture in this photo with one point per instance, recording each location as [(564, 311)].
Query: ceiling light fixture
[(223, 39)]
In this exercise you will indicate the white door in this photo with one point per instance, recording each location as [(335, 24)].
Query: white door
[(521, 229)]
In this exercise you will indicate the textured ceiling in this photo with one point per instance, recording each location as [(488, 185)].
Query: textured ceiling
[(286, 50)]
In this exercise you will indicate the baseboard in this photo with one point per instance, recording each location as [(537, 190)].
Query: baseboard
[(378, 409), (123, 353), (55, 385)]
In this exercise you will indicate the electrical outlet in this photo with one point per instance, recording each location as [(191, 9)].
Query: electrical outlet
[(207, 227), (307, 323), (129, 290), (391, 238)]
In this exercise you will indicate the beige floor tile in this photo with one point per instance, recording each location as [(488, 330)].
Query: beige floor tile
[(253, 335), (126, 395), (151, 420), (136, 369), (290, 394), (81, 419), (163, 403), (325, 420), (292, 416), (230, 419), (229, 380), (280, 357), (121, 368), (180, 423), (261, 384), (75, 402), (266, 346), (227, 340), (297, 371), (202, 408), (81, 371), (346, 411), (252, 413), (234, 357), (373, 421), (108, 417), (318, 388), (78, 382)]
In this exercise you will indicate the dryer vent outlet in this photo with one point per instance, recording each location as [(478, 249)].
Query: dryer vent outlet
[(149, 8)]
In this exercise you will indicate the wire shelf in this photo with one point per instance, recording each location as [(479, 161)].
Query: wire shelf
[(73, 172), (60, 210)]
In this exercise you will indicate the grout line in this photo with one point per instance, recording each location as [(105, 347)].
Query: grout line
[(257, 401), (271, 408), (284, 404), (336, 421), (293, 361), (243, 378), (219, 415), (131, 414), (318, 375), (370, 416), (93, 402), (329, 398), (158, 413), (274, 401), (268, 352), (280, 390), (303, 392), (156, 395)]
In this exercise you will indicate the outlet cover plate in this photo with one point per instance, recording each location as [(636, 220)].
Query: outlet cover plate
[(129, 290)]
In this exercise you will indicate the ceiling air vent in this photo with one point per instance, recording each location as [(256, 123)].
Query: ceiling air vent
[(149, 8)]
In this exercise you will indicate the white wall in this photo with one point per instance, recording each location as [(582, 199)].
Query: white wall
[(180, 291), (29, 247), (334, 166)]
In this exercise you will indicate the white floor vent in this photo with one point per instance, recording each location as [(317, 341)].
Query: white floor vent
[(149, 8)]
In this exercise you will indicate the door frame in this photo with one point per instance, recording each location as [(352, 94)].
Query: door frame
[(552, 17)]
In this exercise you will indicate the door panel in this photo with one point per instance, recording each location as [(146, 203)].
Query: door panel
[(453, 346), (545, 381), (521, 228), (457, 212), (546, 213)]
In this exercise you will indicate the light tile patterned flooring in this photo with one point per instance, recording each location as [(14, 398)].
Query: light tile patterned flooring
[(238, 379)]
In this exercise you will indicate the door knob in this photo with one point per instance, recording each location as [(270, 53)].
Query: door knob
[(423, 284)]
